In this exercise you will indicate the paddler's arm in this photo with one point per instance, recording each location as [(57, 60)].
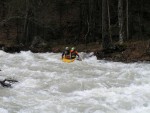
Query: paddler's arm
[(78, 56), (62, 55)]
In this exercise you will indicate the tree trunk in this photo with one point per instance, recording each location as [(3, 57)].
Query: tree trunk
[(81, 19), (60, 17), (106, 40), (121, 21), (109, 19), (17, 37), (127, 16), (25, 32), (3, 10), (141, 18)]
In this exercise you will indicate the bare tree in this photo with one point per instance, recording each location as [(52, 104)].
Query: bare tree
[(120, 21), (106, 40), (127, 16), (26, 20), (140, 16), (109, 18)]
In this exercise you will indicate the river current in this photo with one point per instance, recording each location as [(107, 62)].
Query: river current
[(48, 85)]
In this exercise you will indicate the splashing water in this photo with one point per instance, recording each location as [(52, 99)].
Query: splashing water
[(48, 85)]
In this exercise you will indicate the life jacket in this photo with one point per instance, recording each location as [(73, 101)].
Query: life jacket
[(73, 53)]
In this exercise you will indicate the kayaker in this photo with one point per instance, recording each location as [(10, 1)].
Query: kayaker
[(74, 53), (66, 53)]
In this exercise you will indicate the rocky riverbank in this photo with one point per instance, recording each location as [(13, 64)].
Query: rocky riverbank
[(133, 51), (128, 52)]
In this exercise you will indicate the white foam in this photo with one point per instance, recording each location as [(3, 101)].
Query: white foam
[(46, 84), (3, 110)]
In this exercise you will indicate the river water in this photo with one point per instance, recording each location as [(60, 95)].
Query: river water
[(47, 85)]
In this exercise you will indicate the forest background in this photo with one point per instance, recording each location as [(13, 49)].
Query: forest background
[(116, 30)]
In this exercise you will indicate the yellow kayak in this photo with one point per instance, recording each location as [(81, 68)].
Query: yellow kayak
[(68, 60)]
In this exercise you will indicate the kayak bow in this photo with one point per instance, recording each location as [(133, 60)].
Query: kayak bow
[(68, 60)]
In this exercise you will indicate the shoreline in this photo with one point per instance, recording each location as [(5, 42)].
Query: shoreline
[(129, 52)]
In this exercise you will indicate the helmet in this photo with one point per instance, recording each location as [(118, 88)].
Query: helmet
[(67, 48), (73, 48)]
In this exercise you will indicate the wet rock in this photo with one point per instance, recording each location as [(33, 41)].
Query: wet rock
[(39, 45), (1, 46), (114, 49), (7, 83), (38, 42), (11, 49), (56, 50)]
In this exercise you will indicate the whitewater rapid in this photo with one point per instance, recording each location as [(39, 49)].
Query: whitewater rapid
[(48, 85)]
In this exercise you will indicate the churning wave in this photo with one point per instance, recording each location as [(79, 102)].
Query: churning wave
[(48, 85)]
